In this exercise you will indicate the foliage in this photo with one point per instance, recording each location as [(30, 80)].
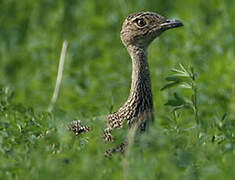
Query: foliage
[(186, 79), (193, 137)]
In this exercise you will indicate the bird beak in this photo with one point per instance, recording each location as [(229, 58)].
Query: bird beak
[(171, 23)]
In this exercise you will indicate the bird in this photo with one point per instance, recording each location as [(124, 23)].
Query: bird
[(138, 31)]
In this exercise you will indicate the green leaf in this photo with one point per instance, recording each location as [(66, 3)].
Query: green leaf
[(173, 102), (176, 95), (183, 68), (224, 116), (177, 108), (178, 101), (170, 85), (173, 78), (186, 85), (177, 71)]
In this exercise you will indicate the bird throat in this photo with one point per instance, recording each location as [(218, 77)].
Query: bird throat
[(140, 97)]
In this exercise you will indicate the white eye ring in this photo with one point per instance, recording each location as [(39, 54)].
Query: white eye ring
[(141, 22)]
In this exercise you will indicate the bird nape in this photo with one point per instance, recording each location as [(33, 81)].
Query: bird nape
[(138, 31)]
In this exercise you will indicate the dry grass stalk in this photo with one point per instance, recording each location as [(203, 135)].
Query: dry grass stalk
[(59, 75)]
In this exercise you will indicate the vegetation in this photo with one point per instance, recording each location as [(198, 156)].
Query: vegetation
[(193, 136)]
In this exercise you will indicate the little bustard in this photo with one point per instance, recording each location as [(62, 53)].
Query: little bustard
[(138, 31)]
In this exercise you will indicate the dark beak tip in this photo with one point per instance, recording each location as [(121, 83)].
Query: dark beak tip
[(178, 23), (172, 23)]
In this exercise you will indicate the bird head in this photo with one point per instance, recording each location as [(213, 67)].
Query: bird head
[(140, 29)]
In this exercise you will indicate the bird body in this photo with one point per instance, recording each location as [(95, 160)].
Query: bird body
[(139, 104), (138, 31)]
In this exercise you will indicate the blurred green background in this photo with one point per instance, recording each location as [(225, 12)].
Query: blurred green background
[(32, 33), (98, 69)]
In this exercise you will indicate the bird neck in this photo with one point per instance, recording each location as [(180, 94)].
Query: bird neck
[(140, 93)]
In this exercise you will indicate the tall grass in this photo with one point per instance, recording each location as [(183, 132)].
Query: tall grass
[(193, 135)]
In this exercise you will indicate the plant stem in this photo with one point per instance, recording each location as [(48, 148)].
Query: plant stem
[(195, 100), (59, 75)]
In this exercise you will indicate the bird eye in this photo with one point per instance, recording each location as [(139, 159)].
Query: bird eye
[(141, 22)]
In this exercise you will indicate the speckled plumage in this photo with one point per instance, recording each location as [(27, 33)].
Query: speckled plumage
[(138, 31), (136, 38), (78, 128)]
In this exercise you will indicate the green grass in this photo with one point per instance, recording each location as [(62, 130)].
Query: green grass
[(35, 144)]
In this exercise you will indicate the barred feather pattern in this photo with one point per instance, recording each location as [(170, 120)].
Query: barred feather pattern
[(138, 31), (139, 105), (78, 128)]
